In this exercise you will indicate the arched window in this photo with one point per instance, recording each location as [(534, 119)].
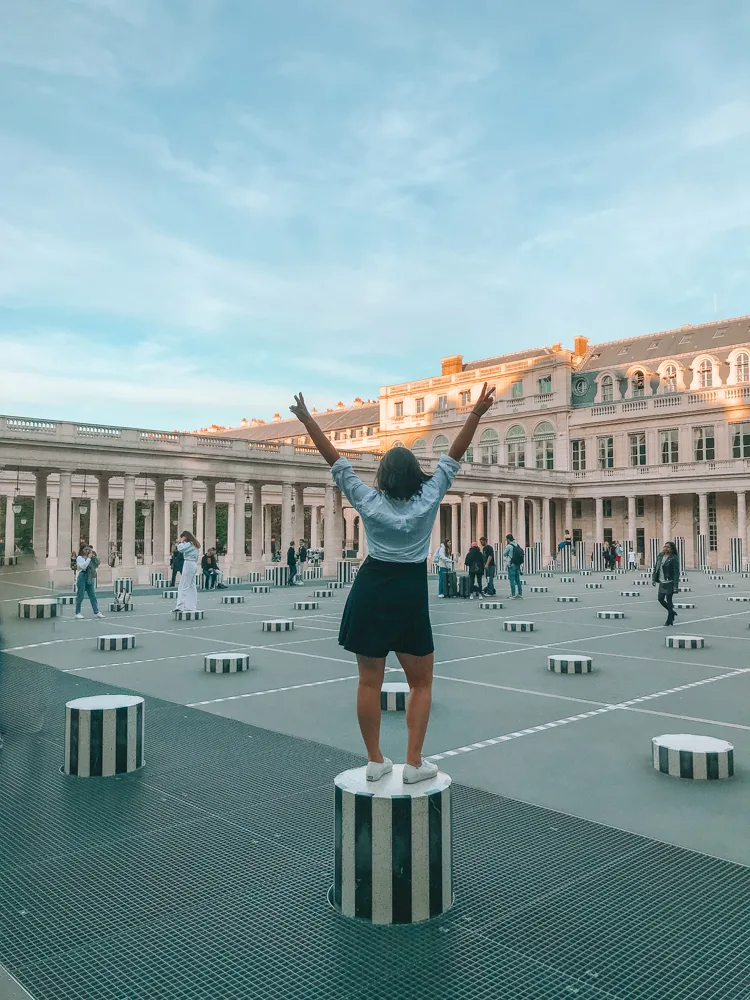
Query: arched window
[(638, 385), (669, 378), (469, 456), (516, 442), (488, 444), (544, 446), (742, 367), (440, 445), (607, 389), (706, 374), (419, 447), (397, 444)]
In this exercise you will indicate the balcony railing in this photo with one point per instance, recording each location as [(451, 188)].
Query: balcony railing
[(668, 400)]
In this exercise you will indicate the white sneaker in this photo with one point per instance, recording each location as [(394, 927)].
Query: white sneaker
[(99, 615), (376, 770), (424, 772), (440, 595), (80, 617)]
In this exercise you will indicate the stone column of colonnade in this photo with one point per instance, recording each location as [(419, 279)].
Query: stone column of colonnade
[(64, 521), (742, 524), (40, 517)]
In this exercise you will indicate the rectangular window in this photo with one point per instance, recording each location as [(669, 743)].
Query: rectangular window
[(577, 509), (637, 449), (465, 397), (669, 446), (703, 444), (608, 535), (442, 403), (607, 507), (369, 431), (337, 435), (640, 542), (545, 454), (579, 455), (713, 535), (605, 447), (577, 535), (517, 454), (420, 405), (398, 409), (516, 390), (740, 440), (640, 507), (545, 384)]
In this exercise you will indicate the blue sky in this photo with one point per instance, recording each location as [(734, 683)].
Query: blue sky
[(206, 205)]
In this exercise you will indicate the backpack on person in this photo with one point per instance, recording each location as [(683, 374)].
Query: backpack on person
[(517, 555)]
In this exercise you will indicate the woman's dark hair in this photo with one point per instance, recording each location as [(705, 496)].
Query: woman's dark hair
[(448, 544), (190, 537), (399, 475), (84, 546), (672, 548)]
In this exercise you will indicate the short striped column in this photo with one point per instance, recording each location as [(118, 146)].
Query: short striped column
[(39, 607), (702, 553), (232, 581), (567, 579), (189, 616), (682, 755), (312, 573), (122, 585), (66, 600), (156, 578), (112, 642), (585, 572), (537, 590), (226, 663), (161, 584), (593, 586), (738, 599), (569, 663), (609, 576), (104, 735), (394, 697), (392, 847), (278, 576), (630, 593), (124, 605), (8, 560), (254, 577), (598, 557), (306, 605), (680, 545), (490, 605), (261, 588), (516, 626), (170, 595), (724, 586), (344, 571), (529, 564), (336, 585), (278, 625), (323, 593), (232, 598), (685, 641), (683, 605), (610, 614), (566, 599), (547, 574)]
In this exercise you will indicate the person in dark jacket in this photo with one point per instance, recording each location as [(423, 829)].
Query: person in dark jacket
[(474, 563), (667, 575), (291, 561), (210, 568), (176, 562)]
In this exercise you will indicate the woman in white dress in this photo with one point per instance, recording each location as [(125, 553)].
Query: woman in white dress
[(187, 592)]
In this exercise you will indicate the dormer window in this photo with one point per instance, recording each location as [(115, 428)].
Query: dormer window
[(706, 374), (638, 385)]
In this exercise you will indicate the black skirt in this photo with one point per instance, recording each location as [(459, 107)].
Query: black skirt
[(388, 611)]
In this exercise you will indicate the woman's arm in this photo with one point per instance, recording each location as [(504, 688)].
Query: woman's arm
[(321, 442), (486, 399)]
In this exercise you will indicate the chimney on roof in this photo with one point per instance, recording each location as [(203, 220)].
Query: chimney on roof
[(277, 416), (339, 405), (314, 410), (580, 344), (357, 401), (243, 422), (452, 365)]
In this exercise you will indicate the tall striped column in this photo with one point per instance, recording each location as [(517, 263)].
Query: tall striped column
[(627, 548), (538, 557), (702, 559), (735, 556), (344, 571), (598, 557), (277, 575), (680, 543), (393, 860), (654, 548), (103, 735), (566, 559), (580, 551), (529, 567)]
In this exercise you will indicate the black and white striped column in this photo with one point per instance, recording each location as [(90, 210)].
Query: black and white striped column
[(394, 696), (580, 552), (306, 605), (261, 588), (682, 755), (122, 585), (113, 642), (735, 555), (156, 578), (254, 576), (702, 560), (39, 607), (226, 663), (529, 565), (104, 735), (538, 557), (680, 544), (392, 848), (344, 571), (125, 605), (598, 557), (566, 559), (277, 575), (232, 598), (569, 663), (323, 593), (336, 585), (685, 641), (654, 548), (189, 616), (278, 625), (627, 548)]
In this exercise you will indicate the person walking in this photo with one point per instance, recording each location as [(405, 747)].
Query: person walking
[(388, 607), (632, 559), (666, 575), (514, 557), (618, 555), (188, 547), (291, 561), (475, 567), (444, 559), (87, 563), (176, 562), (488, 555)]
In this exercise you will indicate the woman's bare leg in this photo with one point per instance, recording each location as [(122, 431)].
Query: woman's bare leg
[(418, 670), (371, 672)]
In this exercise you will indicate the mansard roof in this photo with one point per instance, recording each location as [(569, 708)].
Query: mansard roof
[(340, 419), (707, 338), (505, 359)]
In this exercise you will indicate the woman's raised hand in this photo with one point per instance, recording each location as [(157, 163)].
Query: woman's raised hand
[(485, 401), (300, 409)]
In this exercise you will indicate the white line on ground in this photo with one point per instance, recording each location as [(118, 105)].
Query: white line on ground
[(686, 718), (257, 694)]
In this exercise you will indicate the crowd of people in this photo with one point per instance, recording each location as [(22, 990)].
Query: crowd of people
[(480, 566)]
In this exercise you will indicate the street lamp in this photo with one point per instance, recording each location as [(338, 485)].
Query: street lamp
[(17, 506), (83, 505)]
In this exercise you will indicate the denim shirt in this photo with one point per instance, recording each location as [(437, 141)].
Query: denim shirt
[(189, 551), (398, 531)]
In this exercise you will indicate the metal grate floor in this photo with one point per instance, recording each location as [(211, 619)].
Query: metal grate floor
[(204, 877)]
